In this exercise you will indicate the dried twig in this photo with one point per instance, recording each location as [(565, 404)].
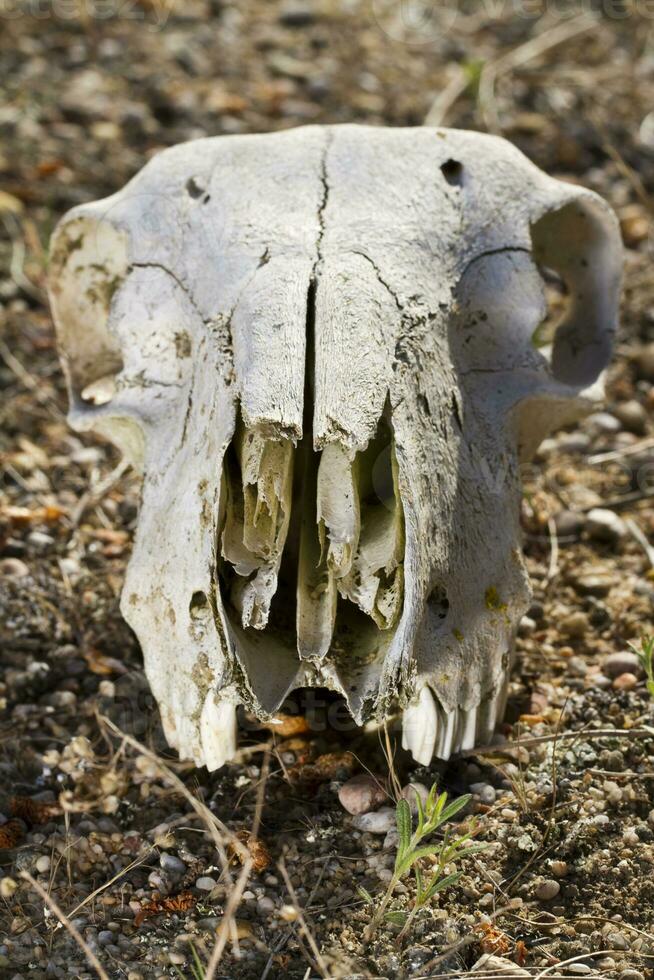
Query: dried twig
[(95, 494), (445, 100), (507, 747), (17, 263), (65, 921), (600, 458), (638, 536)]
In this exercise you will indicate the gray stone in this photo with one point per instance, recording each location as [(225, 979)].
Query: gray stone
[(605, 525), (205, 884), (172, 864), (484, 791), (623, 662), (569, 523), (361, 794), (547, 890), (632, 416), (376, 823)]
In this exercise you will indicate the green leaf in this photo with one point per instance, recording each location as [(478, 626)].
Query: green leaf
[(410, 859), (439, 884), (403, 821), (366, 896), (419, 885), (397, 918), (454, 807)]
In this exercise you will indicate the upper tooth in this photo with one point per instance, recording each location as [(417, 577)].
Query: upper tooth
[(420, 727), (218, 731), (469, 727), (445, 742)]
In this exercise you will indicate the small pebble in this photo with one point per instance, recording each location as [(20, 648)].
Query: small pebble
[(548, 889), (632, 416), (569, 523), (361, 794), (172, 864), (7, 887), (206, 884), (13, 568), (379, 822), (411, 790), (613, 791), (605, 525), (624, 662), (574, 625), (484, 791), (579, 969), (43, 864), (617, 940), (559, 868), (602, 422), (295, 15), (266, 905), (625, 682), (105, 936), (177, 959), (650, 818)]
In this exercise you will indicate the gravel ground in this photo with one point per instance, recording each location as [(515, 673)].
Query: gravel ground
[(566, 883)]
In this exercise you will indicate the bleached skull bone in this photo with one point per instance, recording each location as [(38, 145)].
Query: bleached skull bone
[(319, 348)]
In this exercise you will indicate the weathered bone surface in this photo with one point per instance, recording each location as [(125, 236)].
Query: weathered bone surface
[(319, 347)]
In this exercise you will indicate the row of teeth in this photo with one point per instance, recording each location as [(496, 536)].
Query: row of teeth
[(428, 730)]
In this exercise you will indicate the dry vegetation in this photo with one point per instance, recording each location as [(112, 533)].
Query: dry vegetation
[(255, 872)]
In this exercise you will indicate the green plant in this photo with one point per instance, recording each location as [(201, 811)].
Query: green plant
[(645, 654), (197, 969), (410, 852)]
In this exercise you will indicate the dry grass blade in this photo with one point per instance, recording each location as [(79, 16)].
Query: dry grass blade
[(214, 825), (533, 48), (236, 893), (508, 747), (320, 963), (67, 924)]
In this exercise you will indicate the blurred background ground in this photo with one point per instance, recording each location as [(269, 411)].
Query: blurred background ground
[(91, 91)]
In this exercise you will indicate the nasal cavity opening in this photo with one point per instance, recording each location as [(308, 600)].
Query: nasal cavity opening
[(311, 546)]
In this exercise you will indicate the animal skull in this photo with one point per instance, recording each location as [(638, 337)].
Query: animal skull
[(318, 347)]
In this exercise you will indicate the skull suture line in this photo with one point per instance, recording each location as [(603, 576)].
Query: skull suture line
[(318, 346)]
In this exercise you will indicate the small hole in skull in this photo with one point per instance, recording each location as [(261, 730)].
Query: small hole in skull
[(198, 604), (438, 602), (452, 170), (194, 188)]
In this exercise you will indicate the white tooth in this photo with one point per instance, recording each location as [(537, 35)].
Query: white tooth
[(469, 729), (420, 727), (444, 750), (217, 731)]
